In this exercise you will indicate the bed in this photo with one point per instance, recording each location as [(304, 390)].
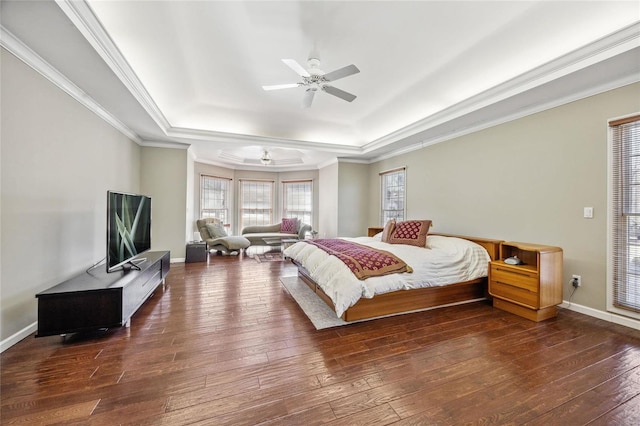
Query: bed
[(403, 292)]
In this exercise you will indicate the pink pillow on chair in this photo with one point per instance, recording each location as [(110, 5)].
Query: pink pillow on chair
[(289, 226)]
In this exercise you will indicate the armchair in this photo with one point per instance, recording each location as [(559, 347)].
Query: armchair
[(213, 233)]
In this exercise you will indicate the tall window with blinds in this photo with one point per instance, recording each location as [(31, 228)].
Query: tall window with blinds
[(214, 197), (625, 199), (256, 202), (298, 200), (392, 184)]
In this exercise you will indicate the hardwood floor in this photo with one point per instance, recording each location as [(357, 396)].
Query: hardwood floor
[(225, 344)]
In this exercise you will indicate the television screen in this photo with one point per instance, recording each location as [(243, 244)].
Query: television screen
[(128, 227)]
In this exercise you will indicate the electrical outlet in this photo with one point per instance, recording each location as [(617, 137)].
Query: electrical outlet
[(576, 281)]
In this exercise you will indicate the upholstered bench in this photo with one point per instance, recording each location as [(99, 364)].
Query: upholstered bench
[(212, 231)]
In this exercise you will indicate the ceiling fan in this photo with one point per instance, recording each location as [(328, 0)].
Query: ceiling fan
[(314, 79), (266, 158)]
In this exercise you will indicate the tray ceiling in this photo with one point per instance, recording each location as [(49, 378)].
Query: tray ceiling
[(192, 71)]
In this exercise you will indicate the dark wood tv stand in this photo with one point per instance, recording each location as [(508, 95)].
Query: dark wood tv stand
[(97, 299)]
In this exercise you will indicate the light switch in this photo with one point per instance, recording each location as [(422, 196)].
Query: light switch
[(588, 212)]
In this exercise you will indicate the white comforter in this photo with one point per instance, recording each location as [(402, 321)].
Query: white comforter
[(448, 260)]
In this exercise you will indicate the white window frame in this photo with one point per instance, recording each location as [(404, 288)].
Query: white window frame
[(204, 213), (307, 214), (384, 175), (241, 201), (614, 185)]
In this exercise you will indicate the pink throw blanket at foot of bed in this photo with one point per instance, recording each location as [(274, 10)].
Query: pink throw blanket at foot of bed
[(362, 260)]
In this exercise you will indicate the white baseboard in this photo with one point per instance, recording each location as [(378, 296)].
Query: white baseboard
[(15, 338), (607, 316), (177, 260)]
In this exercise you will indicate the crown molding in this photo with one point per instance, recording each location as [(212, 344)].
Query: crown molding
[(615, 84), (327, 163), (161, 144), (23, 52), (82, 16), (604, 48), (235, 138), (353, 160), (405, 150)]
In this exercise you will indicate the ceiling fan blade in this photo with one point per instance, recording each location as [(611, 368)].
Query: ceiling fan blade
[(342, 73), (294, 65), (307, 100), (280, 86), (339, 93)]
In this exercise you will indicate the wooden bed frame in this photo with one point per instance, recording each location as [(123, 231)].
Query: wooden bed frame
[(415, 299)]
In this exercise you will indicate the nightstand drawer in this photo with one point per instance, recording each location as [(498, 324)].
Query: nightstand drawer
[(513, 293), (527, 280)]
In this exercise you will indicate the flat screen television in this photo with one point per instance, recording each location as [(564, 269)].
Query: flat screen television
[(128, 228)]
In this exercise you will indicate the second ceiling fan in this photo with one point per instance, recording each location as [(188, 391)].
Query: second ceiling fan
[(314, 79)]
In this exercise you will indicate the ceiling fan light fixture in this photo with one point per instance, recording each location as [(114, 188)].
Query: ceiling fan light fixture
[(314, 78), (266, 158)]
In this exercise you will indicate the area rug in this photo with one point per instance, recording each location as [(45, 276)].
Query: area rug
[(272, 256), (321, 315)]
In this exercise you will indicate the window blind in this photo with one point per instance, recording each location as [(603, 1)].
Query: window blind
[(625, 174), (298, 200), (214, 197), (256, 203), (392, 197)]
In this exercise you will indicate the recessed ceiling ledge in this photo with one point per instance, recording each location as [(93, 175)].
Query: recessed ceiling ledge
[(614, 44), (235, 138)]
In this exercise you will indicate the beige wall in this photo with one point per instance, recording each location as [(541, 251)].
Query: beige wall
[(353, 199), (526, 180), (164, 178), (328, 199), (190, 196), (58, 161)]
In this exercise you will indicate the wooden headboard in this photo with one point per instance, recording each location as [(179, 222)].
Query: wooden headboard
[(490, 245), (373, 230)]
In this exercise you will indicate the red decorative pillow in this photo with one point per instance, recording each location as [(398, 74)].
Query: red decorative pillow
[(388, 230), (289, 226), (411, 232)]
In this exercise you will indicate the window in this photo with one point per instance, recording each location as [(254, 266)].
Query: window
[(298, 200), (625, 218), (256, 203), (214, 197), (392, 184)]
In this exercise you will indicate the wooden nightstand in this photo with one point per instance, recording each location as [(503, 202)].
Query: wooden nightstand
[(533, 289), (373, 230)]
